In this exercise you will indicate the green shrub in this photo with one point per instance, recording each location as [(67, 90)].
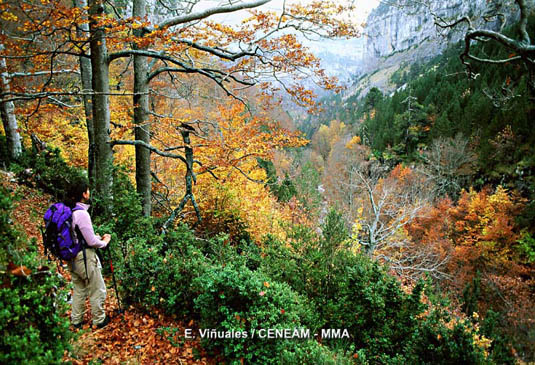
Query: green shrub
[(350, 291), (33, 324), (162, 271), (434, 343), (500, 348), (12, 245), (46, 170), (311, 352), (303, 262), (284, 264), (334, 232), (311, 264), (139, 272), (234, 298), (388, 324), (372, 306), (125, 222), (4, 153)]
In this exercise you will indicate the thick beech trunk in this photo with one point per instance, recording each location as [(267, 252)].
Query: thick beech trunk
[(101, 105), (86, 76), (141, 120)]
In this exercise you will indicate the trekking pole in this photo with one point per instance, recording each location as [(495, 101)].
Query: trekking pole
[(114, 282)]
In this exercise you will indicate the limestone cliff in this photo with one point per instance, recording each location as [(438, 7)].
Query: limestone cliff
[(403, 31)]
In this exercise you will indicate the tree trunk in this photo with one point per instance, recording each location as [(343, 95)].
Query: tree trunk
[(101, 105), (7, 113), (141, 120), (82, 31), (190, 180)]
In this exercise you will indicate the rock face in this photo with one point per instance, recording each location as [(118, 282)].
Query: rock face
[(393, 28), (403, 31)]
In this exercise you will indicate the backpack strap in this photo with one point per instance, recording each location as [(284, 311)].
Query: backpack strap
[(44, 238), (81, 238), (85, 263)]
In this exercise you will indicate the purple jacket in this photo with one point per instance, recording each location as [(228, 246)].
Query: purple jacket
[(82, 219)]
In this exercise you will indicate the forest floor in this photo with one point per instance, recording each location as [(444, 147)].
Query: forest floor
[(133, 336)]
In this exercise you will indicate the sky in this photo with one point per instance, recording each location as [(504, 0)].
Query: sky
[(363, 8)]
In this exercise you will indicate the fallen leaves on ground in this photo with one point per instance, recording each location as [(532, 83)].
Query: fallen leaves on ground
[(133, 337)]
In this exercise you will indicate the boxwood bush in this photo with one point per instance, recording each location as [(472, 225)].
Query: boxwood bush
[(33, 326), (160, 272), (46, 170), (234, 298), (301, 284)]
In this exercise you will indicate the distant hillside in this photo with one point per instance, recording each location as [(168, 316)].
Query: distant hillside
[(401, 32)]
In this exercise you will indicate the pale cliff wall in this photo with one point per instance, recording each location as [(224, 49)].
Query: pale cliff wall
[(403, 31)]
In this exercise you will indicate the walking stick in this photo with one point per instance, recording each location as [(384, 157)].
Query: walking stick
[(114, 281)]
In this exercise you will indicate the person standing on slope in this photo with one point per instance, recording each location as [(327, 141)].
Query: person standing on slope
[(86, 276)]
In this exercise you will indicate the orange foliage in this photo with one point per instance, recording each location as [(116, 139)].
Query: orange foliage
[(433, 225), (229, 189), (63, 130), (486, 221), (243, 208), (480, 235), (480, 230)]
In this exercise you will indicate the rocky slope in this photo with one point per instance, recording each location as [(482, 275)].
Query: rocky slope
[(403, 31)]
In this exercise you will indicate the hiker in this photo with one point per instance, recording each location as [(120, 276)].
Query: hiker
[(88, 283)]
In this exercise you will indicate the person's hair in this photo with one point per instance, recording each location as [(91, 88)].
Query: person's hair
[(76, 191)]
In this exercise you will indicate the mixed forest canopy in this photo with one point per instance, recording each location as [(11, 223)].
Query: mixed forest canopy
[(407, 218)]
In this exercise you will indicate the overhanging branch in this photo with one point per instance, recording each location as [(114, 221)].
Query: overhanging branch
[(203, 14), (149, 147)]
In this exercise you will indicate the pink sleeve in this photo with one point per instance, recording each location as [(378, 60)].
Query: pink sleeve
[(82, 220)]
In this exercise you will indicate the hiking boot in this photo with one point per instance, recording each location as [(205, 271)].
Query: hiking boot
[(77, 325), (104, 322)]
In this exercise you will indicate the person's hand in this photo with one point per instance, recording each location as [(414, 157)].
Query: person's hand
[(106, 238)]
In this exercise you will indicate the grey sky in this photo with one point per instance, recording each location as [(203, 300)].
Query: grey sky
[(362, 9)]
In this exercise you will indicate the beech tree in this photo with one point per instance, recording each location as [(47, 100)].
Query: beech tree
[(86, 81), (448, 163), (260, 50), (27, 74), (342, 185), (7, 112), (388, 203), (258, 53)]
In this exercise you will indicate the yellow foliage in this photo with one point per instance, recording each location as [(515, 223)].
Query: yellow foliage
[(354, 141), (229, 151), (8, 16), (62, 131)]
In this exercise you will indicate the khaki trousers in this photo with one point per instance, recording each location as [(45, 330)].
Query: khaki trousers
[(91, 285)]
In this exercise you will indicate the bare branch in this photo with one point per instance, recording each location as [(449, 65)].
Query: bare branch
[(224, 54), (203, 14), (42, 73), (248, 177), (61, 103), (15, 96), (149, 147), (522, 49)]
